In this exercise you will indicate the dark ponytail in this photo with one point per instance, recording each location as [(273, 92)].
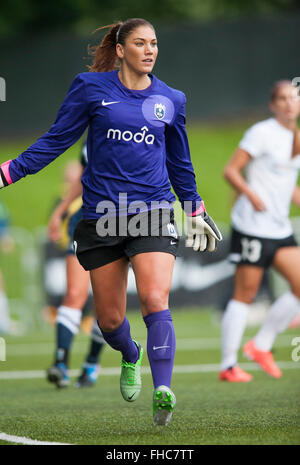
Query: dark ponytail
[(105, 56)]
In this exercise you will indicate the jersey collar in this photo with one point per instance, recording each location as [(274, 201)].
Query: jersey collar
[(134, 92)]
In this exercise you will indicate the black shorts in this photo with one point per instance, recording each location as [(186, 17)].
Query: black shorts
[(93, 249), (256, 251)]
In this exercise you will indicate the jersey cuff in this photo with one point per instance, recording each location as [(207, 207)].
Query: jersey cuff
[(195, 209), (4, 173)]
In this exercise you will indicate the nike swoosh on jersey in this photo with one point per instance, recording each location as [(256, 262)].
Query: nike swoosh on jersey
[(107, 103)]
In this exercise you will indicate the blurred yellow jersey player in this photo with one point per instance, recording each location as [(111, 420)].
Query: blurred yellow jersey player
[(61, 229), (73, 213)]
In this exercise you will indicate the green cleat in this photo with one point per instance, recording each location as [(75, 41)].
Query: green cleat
[(130, 381), (164, 401)]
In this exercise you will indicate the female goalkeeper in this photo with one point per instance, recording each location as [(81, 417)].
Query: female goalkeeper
[(136, 143)]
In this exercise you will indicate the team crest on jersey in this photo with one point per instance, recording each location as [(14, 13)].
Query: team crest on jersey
[(159, 110)]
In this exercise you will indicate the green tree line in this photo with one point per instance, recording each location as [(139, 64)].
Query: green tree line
[(29, 17)]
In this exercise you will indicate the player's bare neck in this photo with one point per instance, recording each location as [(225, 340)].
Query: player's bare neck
[(288, 124), (292, 126), (134, 81)]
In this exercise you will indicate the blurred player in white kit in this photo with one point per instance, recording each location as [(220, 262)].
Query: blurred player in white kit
[(262, 235)]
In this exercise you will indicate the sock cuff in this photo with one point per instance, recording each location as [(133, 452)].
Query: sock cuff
[(237, 305), (88, 365), (292, 297), (124, 325), (163, 315), (69, 317)]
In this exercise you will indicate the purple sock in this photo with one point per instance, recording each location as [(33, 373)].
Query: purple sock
[(120, 339), (161, 346)]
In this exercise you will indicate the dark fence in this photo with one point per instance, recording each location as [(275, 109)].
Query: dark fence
[(225, 68)]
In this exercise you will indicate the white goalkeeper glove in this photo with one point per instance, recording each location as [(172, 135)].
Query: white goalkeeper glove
[(202, 233)]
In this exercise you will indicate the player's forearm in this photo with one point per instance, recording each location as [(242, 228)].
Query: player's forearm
[(235, 178), (180, 168), (296, 196), (35, 158), (43, 152), (74, 192), (296, 143), (184, 184)]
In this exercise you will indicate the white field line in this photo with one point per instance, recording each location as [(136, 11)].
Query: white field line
[(46, 348), (115, 371), (28, 441)]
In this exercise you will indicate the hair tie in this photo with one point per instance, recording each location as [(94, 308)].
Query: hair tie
[(117, 35)]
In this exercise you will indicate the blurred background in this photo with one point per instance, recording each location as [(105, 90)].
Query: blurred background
[(224, 54)]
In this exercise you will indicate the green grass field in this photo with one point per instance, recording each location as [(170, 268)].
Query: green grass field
[(265, 411)]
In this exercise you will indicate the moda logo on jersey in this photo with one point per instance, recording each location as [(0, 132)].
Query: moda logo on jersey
[(127, 136), (159, 110)]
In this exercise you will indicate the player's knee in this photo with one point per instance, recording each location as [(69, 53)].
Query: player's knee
[(109, 323), (295, 288), (246, 294), (75, 298), (154, 300)]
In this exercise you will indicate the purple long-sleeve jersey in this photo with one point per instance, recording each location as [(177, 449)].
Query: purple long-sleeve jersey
[(136, 145)]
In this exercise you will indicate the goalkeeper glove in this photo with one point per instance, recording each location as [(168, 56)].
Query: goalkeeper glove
[(202, 233), (5, 178)]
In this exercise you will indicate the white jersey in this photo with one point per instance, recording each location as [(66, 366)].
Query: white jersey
[(272, 174)]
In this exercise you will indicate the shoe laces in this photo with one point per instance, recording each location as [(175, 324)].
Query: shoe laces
[(130, 371)]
